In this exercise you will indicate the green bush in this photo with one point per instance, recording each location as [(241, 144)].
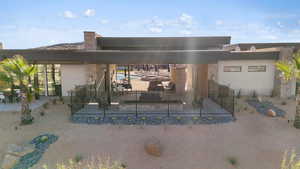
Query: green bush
[(289, 161), (233, 161)]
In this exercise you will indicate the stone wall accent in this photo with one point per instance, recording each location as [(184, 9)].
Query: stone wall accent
[(283, 88), (90, 40), (213, 72)]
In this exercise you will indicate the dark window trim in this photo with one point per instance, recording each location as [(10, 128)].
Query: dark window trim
[(263, 70), (229, 67)]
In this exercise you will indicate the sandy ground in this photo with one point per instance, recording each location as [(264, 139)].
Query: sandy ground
[(256, 141)]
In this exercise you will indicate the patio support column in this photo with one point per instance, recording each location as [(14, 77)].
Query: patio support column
[(200, 89), (128, 74), (180, 78), (107, 80)]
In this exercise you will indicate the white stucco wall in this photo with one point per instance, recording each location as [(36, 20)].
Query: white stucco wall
[(260, 82), (72, 75)]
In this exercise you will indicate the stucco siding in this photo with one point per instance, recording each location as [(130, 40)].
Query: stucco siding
[(72, 75), (248, 82)]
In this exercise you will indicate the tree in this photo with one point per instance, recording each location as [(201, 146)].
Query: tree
[(18, 70), (291, 71)]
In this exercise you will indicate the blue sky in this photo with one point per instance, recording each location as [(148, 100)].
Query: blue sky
[(32, 23)]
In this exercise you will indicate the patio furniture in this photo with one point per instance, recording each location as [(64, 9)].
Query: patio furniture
[(2, 97)]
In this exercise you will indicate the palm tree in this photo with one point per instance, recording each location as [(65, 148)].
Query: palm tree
[(290, 71), (20, 71)]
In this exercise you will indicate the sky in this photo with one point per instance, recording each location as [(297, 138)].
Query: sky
[(34, 23)]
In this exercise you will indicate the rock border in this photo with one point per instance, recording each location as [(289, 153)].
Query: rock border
[(41, 145)]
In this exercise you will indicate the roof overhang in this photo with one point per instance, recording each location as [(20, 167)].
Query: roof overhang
[(136, 57)]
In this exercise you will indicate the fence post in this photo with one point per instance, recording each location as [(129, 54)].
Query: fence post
[(168, 106), (71, 101), (136, 101), (233, 105)]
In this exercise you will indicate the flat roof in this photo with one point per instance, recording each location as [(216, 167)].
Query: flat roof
[(162, 43), (136, 56)]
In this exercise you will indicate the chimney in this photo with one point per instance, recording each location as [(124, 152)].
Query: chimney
[(90, 40), (1, 45)]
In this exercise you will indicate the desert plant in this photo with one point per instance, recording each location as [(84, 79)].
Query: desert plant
[(94, 163), (273, 93), (46, 105), (78, 158), (61, 99), (42, 113), (291, 70), (290, 161), (54, 101), (44, 139), (233, 161), (20, 71), (254, 94), (283, 103), (239, 94)]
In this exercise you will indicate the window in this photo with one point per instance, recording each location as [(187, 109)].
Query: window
[(261, 68), (232, 68)]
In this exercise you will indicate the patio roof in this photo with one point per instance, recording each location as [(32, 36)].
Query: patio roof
[(136, 56)]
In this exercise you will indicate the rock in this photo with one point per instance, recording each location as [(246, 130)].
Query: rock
[(271, 113), (259, 99), (9, 161), (19, 151), (153, 147)]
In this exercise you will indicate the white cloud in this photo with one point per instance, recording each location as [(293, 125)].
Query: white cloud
[(155, 30), (219, 22), (279, 24), (185, 32), (186, 19), (69, 14), (89, 12), (104, 21)]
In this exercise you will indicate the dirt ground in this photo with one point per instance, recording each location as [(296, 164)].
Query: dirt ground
[(256, 141)]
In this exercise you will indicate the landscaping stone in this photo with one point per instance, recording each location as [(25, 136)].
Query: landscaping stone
[(9, 161), (153, 147), (19, 151), (271, 113), (40, 146), (265, 106)]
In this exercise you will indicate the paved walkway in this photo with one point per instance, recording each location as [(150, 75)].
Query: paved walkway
[(17, 106)]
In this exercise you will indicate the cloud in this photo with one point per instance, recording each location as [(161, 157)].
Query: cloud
[(279, 24), (104, 21), (69, 15), (185, 32), (90, 12), (155, 30), (186, 19), (219, 22)]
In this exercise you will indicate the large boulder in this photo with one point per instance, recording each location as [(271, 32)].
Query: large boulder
[(19, 151), (9, 161), (153, 147), (271, 113)]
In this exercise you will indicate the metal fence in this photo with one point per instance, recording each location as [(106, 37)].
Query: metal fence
[(222, 95)]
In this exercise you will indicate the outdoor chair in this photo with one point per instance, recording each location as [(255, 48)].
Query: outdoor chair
[(2, 97)]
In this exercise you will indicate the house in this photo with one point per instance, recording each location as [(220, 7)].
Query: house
[(245, 67)]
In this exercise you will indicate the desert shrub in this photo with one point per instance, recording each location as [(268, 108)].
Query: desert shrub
[(78, 158), (254, 94), (233, 161), (289, 161), (61, 99), (273, 93), (239, 94), (94, 163), (46, 105), (42, 113), (283, 103), (54, 101)]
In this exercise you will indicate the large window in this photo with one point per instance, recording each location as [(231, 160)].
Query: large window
[(260, 68), (232, 68), (49, 79)]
